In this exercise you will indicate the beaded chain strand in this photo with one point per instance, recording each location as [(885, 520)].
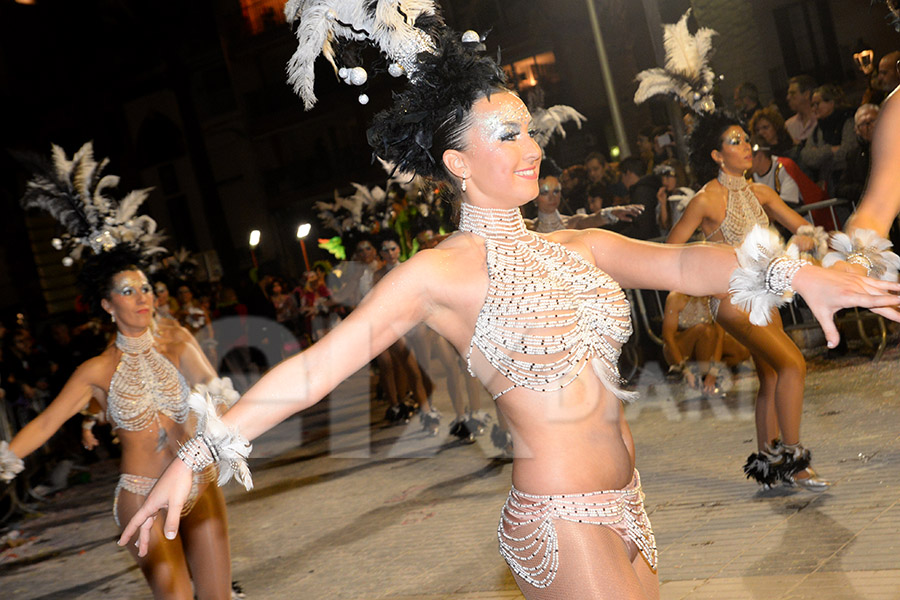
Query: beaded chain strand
[(742, 210)]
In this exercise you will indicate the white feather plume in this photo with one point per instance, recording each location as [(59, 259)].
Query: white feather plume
[(231, 447), (748, 288), (320, 23), (687, 75), (549, 121)]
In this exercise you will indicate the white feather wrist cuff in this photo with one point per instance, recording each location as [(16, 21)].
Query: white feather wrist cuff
[(228, 448), (762, 281), (10, 464), (865, 248), (220, 390), (819, 237)]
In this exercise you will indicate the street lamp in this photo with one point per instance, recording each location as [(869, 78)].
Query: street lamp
[(302, 232), (254, 242)]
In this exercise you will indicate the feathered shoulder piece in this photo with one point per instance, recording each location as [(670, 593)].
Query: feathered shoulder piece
[(447, 83), (686, 76), (401, 29), (74, 190)]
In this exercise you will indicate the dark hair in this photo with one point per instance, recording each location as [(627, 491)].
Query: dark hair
[(749, 90), (832, 93), (95, 278), (647, 132), (632, 164), (431, 114), (596, 190), (598, 156), (806, 83), (706, 137)]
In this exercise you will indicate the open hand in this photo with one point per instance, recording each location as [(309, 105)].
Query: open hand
[(827, 291), (627, 212), (170, 492)]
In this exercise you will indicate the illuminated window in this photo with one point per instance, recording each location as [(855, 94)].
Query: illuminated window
[(262, 15), (531, 71)]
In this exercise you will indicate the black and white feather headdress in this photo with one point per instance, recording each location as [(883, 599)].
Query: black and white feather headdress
[(400, 29), (687, 76), (74, 192)]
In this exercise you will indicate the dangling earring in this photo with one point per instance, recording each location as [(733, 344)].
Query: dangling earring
[(463, 186), (113, 317)]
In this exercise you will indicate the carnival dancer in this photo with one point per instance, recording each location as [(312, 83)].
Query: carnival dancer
[(540, 319), (142, 381)]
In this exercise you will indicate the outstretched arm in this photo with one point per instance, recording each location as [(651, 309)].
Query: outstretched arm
[(398, 302), (706, 269), (74, 396)]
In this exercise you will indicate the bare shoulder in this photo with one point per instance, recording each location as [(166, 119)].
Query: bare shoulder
[(763, 192), (98, 370)]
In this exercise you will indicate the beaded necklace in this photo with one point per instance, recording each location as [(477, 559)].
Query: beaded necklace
[(548, 311), (144, 385), (742, 210)]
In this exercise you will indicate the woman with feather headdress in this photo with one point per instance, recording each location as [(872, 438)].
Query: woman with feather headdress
[(540, 320), (727, 209), (141, 381)]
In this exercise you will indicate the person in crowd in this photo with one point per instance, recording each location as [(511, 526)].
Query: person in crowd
[(888, 77), (746, 100), (642, 190), (196, 319), (574, 182), (645, 150), (768, 124), (540, 320), (853, 179), (824, 153), (799, 98), (286, 314), (663, 145), (400, 369), (596, 166), (694, 345), (166, 306), (674, 183), (315, 302), (549, 218), (726, 209), (784, 176)]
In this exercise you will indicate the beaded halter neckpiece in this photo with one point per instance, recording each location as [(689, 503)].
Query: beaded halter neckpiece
[(144, 385), (548, 311), (742, 210)]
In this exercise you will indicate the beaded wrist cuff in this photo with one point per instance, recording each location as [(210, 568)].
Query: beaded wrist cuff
[(867, 249), (608, 214), (197, 454), (780, 273), (10, 464)]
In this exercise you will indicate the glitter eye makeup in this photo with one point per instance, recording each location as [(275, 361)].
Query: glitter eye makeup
[(129, 285), (550, 190), (503, 126), (738, 139)]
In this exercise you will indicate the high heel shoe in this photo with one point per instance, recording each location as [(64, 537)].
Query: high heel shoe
[(431, 421), (796, 462)]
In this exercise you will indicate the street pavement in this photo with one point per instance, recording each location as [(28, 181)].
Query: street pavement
[(346, 507)]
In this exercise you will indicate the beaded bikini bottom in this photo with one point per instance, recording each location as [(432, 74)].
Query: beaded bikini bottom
[(528, 538), (141, 486)]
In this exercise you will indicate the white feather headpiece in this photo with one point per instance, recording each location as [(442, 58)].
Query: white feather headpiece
[(389, 24), (687, 75), (549, 121), (74, 193)]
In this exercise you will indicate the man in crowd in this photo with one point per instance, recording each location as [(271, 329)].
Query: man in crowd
[(888, 76), (746, 100), (799, 99), (642, 190)]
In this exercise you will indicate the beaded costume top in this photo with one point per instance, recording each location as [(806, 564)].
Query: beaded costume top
[(742, 211), (548, 311), (145, 385), (695, 312)]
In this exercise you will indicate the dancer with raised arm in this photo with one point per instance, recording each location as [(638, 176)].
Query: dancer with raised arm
[(541, 320), (142, 381)]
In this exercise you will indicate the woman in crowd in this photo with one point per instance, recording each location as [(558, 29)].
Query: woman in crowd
[(768, 124), (727, 209), (541, 320)]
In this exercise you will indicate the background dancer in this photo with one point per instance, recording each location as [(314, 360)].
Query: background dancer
[(141, 381), (539, 320)]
